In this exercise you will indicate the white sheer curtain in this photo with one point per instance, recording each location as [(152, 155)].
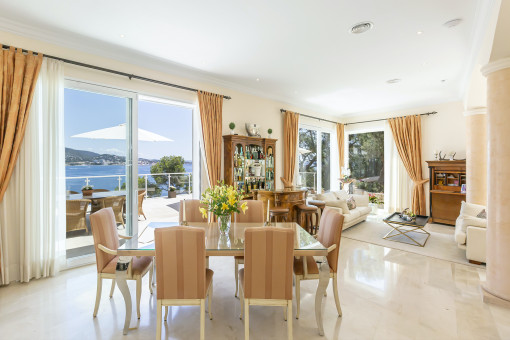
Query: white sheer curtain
[(32, 213), (398, 184)]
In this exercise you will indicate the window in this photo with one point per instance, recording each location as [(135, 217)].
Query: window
[(315, 159), (366, 161)]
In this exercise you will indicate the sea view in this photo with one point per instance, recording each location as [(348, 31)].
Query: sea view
[(109, 183)]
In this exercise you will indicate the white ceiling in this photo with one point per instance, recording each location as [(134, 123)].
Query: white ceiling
[(301, 51)]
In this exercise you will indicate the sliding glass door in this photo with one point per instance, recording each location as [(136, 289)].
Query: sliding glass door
[(99, 129)]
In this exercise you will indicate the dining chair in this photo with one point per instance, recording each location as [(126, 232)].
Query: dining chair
[(106, 243), (266, 279), (181, 275), (305, 268), (141, 197), (117, 204), (254, 214), (76, 214), (193, 213)]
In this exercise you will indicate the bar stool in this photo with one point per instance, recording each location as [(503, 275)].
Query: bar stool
[(278, 212), (305, 215), (321, 205)]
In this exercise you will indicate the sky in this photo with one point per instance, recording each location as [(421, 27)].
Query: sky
[(88, 111)]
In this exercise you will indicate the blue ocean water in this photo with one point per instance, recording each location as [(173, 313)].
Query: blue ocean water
[(109, 183)]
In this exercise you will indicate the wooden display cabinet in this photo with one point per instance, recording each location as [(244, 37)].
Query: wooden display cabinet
[(249, 163), (446, 179)]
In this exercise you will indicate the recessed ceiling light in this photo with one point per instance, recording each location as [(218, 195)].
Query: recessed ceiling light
[(419, 32), (452, 23), (257, 79), (361, 27), (122, 35), (394, 81), (443, 80)]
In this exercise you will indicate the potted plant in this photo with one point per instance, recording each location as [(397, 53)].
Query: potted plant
[(222, 200), (87, 190), (408, 215), (172, 193), (232, 126), (269, 132)]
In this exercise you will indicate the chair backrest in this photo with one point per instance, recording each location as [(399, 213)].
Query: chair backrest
[(330, 231), (268, 261), (100, 190), (192, 212), (114, 202), (180, 262), (104, 231), (254, 213), (141, 196)]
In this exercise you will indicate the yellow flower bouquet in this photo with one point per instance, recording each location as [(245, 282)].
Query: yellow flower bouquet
[(222, 200)]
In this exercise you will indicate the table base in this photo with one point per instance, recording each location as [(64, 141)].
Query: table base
[(403, 230)]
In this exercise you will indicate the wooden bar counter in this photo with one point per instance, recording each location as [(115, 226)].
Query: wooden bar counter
[(282, 199)]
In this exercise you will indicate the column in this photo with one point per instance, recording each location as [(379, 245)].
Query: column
[(476, 155), (497, 286)]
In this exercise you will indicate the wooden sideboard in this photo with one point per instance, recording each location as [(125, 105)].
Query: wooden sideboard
[(446, 179), (282, 198)]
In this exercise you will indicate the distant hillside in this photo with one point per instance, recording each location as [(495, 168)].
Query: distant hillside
[(82, 157)]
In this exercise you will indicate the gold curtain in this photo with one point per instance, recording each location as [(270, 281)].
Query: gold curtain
[(407, 134), (340, 140), (290, 143), (211, 106), (18, 76)]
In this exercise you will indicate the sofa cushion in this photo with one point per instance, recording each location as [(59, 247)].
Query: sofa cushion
[(364, 210), (338, 204), (470, 209), (351, 203), (327, 196), (361, 200), (341, 194), (354, 214), (463, 222)]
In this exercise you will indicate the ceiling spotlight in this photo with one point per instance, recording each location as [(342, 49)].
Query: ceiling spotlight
[(257, 79), (443, 80), (122, 35), (452, 23), (361, 27), (419, 32), (394, 81)]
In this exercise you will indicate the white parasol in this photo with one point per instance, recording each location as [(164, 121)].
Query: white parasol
[(119, 132)]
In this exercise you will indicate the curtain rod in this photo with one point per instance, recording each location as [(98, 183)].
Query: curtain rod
[(119, 73), (320, 119), (361, 122), (378, 120)]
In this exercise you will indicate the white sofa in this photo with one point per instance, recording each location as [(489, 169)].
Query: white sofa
[(470, 232), (337, 200)]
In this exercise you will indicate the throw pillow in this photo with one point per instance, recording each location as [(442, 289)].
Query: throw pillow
[(339, 204), (482, 214), (341, 194), (351, 203)]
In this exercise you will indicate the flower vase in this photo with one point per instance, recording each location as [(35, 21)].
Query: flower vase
[(224, 223)]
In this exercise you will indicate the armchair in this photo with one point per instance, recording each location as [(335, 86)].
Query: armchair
[(470, 232)]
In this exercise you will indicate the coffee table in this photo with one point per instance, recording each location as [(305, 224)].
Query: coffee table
[(402, 227)]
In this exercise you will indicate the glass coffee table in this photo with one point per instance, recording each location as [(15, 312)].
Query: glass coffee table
[(409, 231)]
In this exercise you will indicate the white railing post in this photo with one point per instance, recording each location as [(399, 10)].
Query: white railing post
[(87, 181), (189, 184), (119, 184), (169, 184), (315, 181), (146, 186)]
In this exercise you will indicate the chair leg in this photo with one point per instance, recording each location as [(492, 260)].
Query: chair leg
[(209, 301), (335, 292), (98, 293), (285, 313), (298, 296), (138, 295), (154, 271), (236, 275), (112, 289), (246, 319), (166, 313), (151, 273), (158, 318), (202, 319), (289, 319), (241, 299)]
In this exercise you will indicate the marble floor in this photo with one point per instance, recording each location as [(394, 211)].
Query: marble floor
[(385, 294)]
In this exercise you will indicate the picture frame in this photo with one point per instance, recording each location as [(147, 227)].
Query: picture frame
[(463, 189)]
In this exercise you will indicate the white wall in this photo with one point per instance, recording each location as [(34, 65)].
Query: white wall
[(241, 109), (445, 131)]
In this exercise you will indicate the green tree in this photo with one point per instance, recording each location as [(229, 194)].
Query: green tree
[(170, 164), (366, 160)]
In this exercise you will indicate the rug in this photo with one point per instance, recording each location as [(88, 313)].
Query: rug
[(440, 245)]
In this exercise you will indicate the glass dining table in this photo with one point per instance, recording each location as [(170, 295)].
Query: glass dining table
[(231, 244)]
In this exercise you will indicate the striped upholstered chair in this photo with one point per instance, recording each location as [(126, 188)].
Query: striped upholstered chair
[(266, 278), (106, 243), (254, 214), (180, 271)]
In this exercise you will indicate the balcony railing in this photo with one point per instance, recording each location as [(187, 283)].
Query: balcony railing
[(120, 181)]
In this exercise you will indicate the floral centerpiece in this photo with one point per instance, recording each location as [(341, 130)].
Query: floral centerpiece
[(222, 200), (408, 215)]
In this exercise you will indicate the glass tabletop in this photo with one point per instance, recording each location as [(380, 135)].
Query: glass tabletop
[(231, 242)]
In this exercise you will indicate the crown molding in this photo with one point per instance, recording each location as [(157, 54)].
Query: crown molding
[(475, 111), (495, 66)]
